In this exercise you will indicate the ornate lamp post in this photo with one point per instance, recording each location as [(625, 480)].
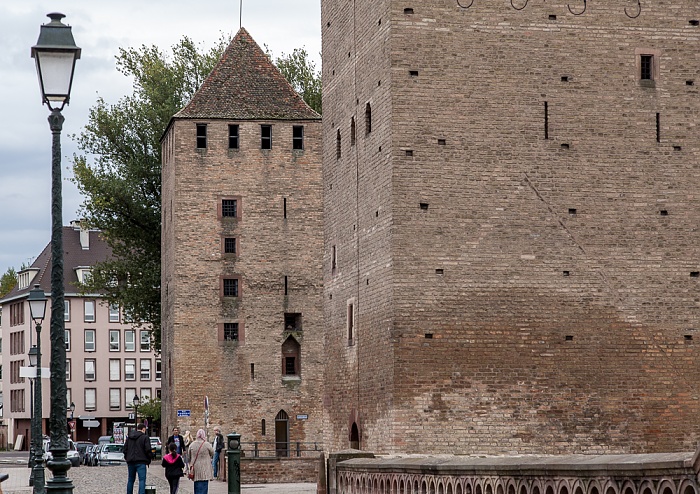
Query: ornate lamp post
[(37, 308), (137, 402), (55, 54)]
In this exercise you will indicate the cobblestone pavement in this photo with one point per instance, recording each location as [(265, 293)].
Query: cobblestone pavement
[(112, 480)]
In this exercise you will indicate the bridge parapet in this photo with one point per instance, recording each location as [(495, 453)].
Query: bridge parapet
[(659, 473)]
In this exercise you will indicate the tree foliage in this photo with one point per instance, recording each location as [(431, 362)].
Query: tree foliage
[(151, 409), (121, 181), (301, 73), (8, 281)]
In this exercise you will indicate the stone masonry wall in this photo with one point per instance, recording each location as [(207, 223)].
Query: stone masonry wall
[(518, 231)]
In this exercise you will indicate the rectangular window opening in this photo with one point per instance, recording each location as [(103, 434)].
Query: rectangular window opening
[(286, 285), (201, 136), (658, 127), (290, 366), (229, 208), (266, 137), (233, 137), (229, 245), (230, 331), (298, 137), (230, 287), (646, 67), (284, 207), (351, 323), (252, 371), (292, 321), (546, 120)]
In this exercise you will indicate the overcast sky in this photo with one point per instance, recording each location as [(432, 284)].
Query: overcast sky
[(100, 27)]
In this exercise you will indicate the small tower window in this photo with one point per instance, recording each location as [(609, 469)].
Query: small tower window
[(298, 137), (368, 118), (291, 351), (337, 145), (266, 137), (233, 137), (201, 136)]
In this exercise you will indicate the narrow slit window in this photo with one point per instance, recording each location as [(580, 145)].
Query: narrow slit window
[(351, 322), (201, 136), (266, 137), (284, 208), (546, 120), (658, 127), (337, 145), (646, 63), (286, 285), (298, 137), (368, 118), (352, 131), (334, 259), (233, 137)]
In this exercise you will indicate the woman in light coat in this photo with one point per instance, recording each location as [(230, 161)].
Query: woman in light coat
[(200, 454)]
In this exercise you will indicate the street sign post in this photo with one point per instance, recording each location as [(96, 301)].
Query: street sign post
[(184, 413)]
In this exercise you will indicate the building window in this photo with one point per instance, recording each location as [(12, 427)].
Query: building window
[(158, 394), (351, 322), (89, 340), (113, 313), (115, 369), (129, 394), (368, 118), (292, 321), (337, 145), (266, 137), (145, 394), (201, 136), (115, 398), (646, 67), (145, 369), (290, 357), (17, 314), (352, 131), (230, 331), (68, 398), (159, 369), (67, 369), (298, 137), (129, 340), (89, 311), (66, 310), (130, 369), (67, 338), (114, 340), (145, 340), (230, 287), (233, 138), (90, 399), (334, 259), (229, 245), (90, 373), (229, 208)]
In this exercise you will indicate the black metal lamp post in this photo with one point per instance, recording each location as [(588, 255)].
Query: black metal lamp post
[(32, 447), (55, 54), (137, 402), (233, 453), (37, 308)]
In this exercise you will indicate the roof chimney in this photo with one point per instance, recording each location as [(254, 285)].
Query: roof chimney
[(84, 234)]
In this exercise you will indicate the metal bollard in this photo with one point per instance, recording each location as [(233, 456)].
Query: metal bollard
[(233, 455)]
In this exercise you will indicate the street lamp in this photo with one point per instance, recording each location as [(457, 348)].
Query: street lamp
[(137, 402), (37, 309), (55, 53)]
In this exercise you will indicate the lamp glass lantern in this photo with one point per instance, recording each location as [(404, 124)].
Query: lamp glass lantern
[(71, 408), (37, 304), (55, 53), (33, 354)]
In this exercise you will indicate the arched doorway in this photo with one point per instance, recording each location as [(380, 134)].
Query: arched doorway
[(354, 437), (282, 434)]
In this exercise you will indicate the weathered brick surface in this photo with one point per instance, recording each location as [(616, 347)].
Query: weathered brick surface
[(538, 239), (195, 363), (278, 470)]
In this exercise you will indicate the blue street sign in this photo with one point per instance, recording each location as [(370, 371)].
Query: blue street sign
[(183, 413)]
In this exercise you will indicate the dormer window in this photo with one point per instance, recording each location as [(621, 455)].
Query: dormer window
[(24, 278), (84, 274)]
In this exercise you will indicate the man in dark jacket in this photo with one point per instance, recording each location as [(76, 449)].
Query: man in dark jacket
[(177, 439), (218, 447), (137, 453)]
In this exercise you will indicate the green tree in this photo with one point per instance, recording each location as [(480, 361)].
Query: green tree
[(301, 73), (150, 409), (121, 184), (8, 281)]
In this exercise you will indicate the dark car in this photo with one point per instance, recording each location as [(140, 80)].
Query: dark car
[(82, 447)]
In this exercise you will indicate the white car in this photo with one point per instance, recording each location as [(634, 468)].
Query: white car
[(72, 453), (110, 454)]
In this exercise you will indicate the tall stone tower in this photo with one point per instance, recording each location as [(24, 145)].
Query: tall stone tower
[(512, 243), (242, 255)]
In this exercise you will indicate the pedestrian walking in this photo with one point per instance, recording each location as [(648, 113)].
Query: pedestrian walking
[(137, 454), (200, 454), (218, 446), (178, 440), (173, 464)]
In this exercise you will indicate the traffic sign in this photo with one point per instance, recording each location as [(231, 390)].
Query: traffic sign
[(91, 423), (184, 413)]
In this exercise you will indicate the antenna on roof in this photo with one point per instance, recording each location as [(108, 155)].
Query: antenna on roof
[(240, 21)]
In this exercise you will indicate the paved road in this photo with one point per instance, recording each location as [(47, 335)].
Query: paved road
[(112, 480)]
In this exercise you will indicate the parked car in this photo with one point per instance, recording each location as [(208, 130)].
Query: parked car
[(156, 447), (111, 454), (72, 453), (105, 440), (82, 446)]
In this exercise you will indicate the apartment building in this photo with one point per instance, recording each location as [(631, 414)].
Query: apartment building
[(109, 360)]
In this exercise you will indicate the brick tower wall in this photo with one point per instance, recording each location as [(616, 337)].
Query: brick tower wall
[(529, 283)]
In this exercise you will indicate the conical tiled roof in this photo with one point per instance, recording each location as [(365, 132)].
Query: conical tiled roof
[(246, 85)]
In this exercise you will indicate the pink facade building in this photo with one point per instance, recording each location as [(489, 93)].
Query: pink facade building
[(108, 360)]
